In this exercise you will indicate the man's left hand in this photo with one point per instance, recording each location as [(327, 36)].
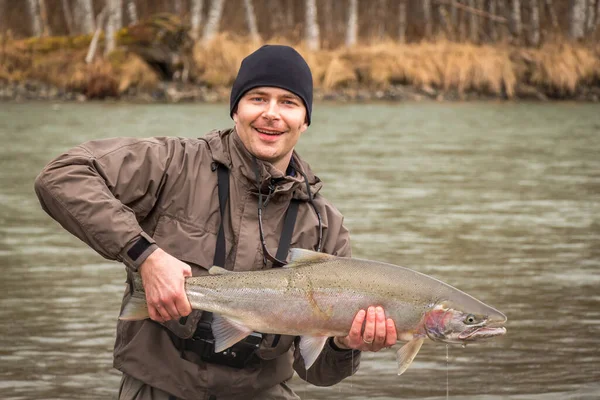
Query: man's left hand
[(379, 332)]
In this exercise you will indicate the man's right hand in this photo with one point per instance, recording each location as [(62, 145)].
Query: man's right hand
[(163, 277)]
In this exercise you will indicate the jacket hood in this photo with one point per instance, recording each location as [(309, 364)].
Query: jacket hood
[(227, 149)]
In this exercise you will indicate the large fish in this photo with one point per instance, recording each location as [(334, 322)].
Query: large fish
[(316, 296)]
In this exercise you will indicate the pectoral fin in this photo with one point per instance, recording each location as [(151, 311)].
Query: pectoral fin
[(310, 348), (227, 332), (135, 309), (216, 270), (407, 353)]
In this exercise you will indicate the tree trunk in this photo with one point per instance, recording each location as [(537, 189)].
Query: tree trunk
[(428, 24), (196, 18), (473, 23), (111, 25), (132, 12), (381, 13), (36, 20), (402, 21), (94, 43), (177, 8), (534, 32), (327, 21), (352, 27), (551, 13), (251, 20), (289, 14), (214, 19), (577, 19), (312, 27), (46, 31), (516, 25), (68, 16), (503, 29), (591, 17), (84, 14), (491, 25)]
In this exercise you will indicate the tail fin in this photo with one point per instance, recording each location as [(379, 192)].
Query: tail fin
[(135, 309)]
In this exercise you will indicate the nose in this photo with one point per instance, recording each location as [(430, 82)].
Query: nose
[(272, 110)]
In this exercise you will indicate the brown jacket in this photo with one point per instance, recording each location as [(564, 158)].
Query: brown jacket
[(109, 192)]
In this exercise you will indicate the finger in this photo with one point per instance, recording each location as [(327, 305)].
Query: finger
[(356, 329), (369, 333), (171, 310), (163, 315), (391, 336), (187, 270), (380, 328), (183, 305), (154, 314)]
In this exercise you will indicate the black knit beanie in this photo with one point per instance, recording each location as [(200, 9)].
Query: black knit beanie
[(276, 66)]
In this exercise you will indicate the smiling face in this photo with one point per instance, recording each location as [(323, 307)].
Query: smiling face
[(269, 121)]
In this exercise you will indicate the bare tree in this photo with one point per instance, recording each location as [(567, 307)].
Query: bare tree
[(473, 23), (312, 27), (132, 12), (84, 14), (113, 24), (327, 21), (68, 16), (196, 18), (428, 24), (534, 30), (516, 25), (381, 13), (352, 27), (550, 9), (36, 20), (289, 13), (577, 19), (402, 21), (94, 43), (44, 17), (214, 19), (491, 24), (591, 17), (251, 20)]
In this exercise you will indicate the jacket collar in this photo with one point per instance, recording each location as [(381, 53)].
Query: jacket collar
[(227, 148)]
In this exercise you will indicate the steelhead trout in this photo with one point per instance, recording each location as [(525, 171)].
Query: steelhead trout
[(317, 296)]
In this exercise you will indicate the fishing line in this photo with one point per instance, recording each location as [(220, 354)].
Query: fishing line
[(447, 368)]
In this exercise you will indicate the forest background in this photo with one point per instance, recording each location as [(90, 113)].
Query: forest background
[(190, 50)]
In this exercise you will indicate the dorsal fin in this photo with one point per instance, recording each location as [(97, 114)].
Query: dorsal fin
[(303, 256)]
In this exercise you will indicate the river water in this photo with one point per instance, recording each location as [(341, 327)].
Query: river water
[(499, 200)]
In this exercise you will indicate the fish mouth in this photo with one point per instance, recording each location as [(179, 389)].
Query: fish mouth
[(482, 332)]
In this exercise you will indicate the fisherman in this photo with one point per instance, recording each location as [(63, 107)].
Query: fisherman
[(170, 208)]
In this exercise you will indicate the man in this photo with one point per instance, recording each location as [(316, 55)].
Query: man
[(162, 207)]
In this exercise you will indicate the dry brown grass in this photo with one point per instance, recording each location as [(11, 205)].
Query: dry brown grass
[(561, 67), (558, 67), (217, 62)]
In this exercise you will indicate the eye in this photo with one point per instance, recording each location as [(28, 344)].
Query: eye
[(470, 319)]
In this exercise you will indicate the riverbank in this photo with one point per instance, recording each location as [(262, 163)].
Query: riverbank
[(177, 92), (54, 69)]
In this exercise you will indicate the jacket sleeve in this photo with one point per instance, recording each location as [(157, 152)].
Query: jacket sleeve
[(98, 191), (333, 364)]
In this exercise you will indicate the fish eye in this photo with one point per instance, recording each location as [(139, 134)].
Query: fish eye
[(470, 319)]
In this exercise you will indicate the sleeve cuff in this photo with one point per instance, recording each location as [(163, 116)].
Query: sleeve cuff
[(137, 250)]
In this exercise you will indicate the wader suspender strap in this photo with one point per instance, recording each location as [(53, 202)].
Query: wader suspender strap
[(223, 186), (286, 233)]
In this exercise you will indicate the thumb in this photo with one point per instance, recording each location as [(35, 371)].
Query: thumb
[(187, 270)]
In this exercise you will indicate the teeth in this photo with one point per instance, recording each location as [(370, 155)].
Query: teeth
[(267, 132)]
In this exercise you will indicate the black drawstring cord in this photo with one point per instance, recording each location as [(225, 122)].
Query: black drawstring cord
[(266, 254)]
